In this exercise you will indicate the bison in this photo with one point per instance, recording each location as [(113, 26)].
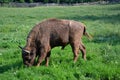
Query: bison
[(51, 33)]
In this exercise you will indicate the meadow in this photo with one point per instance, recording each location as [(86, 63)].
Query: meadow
[(103, 51)]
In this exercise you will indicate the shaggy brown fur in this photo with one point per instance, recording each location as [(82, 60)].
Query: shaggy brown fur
[(51, 33)]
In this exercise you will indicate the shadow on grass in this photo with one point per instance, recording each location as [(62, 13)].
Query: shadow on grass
[(115, 8), (112, 39), (5, 68), (104, 18)]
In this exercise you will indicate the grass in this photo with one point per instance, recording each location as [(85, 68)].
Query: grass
[(103, 58)]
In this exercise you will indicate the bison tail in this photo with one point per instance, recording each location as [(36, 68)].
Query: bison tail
[(87, 34)]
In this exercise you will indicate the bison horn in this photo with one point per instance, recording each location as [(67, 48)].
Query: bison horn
[(27, 51), (20, 47)]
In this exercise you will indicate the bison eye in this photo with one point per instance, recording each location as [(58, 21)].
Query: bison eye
[(25, 54)]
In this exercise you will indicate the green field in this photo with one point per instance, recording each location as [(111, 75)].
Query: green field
[(103, 52)]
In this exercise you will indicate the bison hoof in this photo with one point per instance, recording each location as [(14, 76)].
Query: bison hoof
[(46, 64), (37, 65)]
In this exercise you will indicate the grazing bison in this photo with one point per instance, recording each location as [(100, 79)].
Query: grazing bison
[(51, 33)]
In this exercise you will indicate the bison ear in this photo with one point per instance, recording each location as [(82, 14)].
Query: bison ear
[(20, 47)]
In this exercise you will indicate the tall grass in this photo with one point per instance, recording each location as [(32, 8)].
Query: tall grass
[(103, 58)]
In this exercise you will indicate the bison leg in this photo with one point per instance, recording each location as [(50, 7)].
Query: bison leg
[(47, 58), (43, 53), (75, 49), (40, 59), (42, 56), (83, 50)]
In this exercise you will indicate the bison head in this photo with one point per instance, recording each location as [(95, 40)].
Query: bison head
[(28, 57)]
